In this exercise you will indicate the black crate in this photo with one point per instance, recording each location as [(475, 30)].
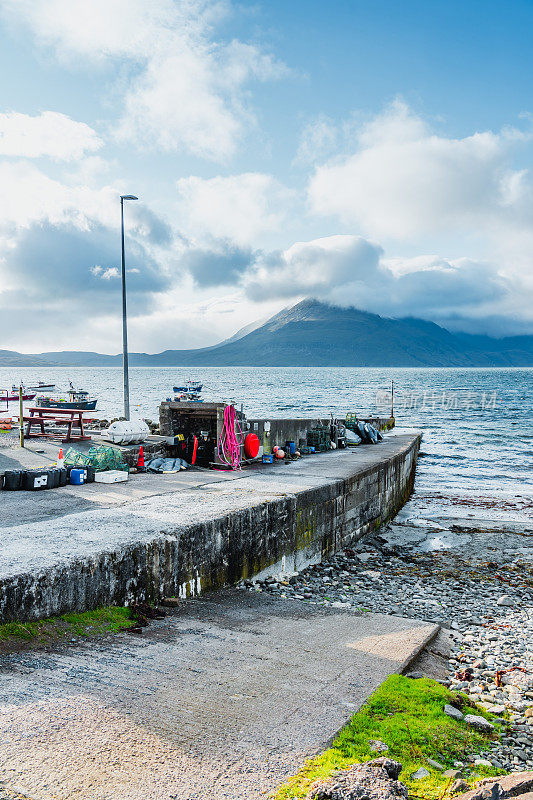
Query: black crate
[(13, 480), (35, 480)]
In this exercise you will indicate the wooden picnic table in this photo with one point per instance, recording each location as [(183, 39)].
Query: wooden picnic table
[(69, 417)]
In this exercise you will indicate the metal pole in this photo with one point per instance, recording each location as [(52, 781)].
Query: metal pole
[(21, 418), (392, 401), (124, 322)]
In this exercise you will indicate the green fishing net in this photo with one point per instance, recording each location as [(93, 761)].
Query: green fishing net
[(101, 458)]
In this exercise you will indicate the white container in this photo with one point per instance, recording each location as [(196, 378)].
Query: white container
[(134, 431), (111, 476)]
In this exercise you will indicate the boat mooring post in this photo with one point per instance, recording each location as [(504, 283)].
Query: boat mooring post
[(125, 367), (21, 418)]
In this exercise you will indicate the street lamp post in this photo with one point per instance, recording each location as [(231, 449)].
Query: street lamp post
[(124, 314)]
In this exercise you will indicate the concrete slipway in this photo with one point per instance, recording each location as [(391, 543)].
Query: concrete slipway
[(225, 698)]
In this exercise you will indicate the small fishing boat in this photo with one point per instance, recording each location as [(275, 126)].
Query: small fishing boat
[(190, 386), (14, 394), (77, 399), (40, 386)]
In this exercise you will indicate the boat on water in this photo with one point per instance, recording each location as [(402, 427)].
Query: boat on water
[(13, 395), (190, 386), (77, 399), (40, 386)]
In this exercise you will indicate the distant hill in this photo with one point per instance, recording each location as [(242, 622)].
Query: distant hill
[(316, 334)]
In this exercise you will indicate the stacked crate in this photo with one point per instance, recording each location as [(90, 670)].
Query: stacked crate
[(351, 421)]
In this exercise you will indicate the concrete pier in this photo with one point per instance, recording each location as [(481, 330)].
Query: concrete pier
[(76, 548)]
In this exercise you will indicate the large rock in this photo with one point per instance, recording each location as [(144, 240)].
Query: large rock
[(518, 784), (453, 712), (378, 746), (458, 785), (522, 680), (479, 723), (505, 600), (376, 780), (420, 774)]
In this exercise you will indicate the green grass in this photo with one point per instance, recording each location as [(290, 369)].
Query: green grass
[(408, 716), (90, 623)]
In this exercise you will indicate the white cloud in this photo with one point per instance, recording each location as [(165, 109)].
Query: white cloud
[(107, 273), (27, 195), (241, 208), (48, 134), (403, 181), (317, 141), (312, 268), (60, 253), (185, 89), (349, 270)]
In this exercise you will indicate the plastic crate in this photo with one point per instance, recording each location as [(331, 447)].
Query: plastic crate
[(351, 421), (112, 476)]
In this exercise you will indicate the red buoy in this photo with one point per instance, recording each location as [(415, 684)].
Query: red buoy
[(251, 446)]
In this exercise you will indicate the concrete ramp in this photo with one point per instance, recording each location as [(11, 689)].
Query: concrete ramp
[(224, 699)]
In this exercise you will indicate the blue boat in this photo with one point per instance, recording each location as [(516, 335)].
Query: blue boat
[(190, 386), (77, 399)]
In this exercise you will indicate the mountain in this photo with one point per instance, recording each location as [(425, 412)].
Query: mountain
[(315, 334)]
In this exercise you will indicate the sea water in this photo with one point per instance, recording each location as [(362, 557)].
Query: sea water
[(477, 423)]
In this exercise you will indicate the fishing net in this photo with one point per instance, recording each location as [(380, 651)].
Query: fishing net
[(101, 458), (319, 438)]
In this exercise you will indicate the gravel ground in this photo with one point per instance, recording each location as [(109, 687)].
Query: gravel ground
[(482, 593), (9, 439)]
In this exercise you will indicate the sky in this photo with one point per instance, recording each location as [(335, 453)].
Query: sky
[(370, 154)]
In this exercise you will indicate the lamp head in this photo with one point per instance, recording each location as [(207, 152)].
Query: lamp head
[(128, 197)]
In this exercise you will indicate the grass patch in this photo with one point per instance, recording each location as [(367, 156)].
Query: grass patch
[(109, 619), (408, 716)]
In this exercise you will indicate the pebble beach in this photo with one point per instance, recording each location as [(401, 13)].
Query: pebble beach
[(472, 576)]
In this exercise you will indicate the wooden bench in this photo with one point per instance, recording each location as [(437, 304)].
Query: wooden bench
[(64, 417)]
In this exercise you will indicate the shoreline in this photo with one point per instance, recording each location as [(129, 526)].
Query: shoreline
[(476, 583)]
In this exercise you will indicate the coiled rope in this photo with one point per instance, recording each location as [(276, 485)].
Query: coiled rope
[(229, 444)]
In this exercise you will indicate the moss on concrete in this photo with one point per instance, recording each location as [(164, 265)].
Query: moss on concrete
[(407, 715), (110, 619)]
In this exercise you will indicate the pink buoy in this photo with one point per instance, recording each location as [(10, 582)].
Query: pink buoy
[(280, 453)]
